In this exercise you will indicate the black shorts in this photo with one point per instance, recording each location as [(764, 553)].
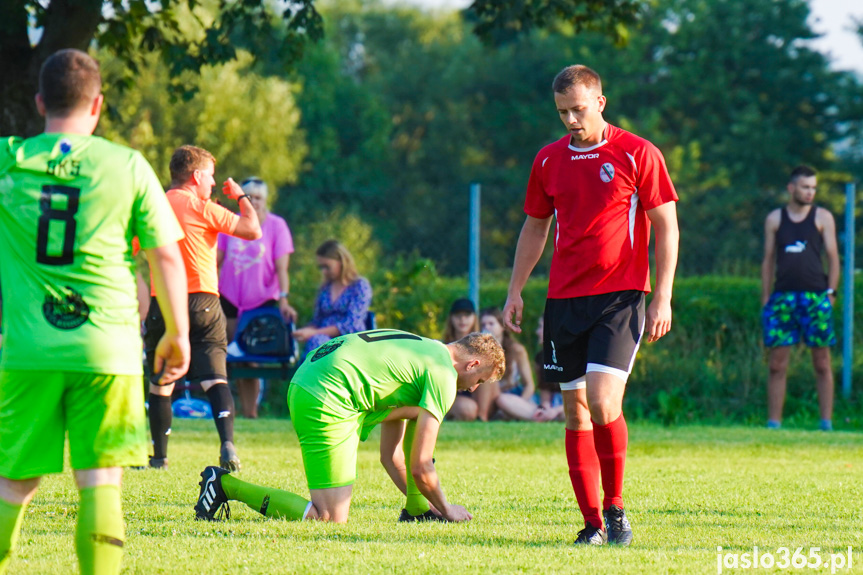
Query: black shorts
[(206, 336), (591, 333), (230, 310)]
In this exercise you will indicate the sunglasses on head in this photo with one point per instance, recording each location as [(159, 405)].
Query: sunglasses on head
[(252, 181)]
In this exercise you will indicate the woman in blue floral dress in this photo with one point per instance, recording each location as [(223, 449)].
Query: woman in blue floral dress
[(343, 301)]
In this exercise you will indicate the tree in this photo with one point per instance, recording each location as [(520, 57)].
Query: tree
[(249, 122), (132, 29), (500, 21), (729, 92), (31, 30)]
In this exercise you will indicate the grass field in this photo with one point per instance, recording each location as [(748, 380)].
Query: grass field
[(688, 491)]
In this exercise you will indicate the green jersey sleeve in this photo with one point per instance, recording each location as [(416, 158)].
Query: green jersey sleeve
[(438, 390), (7, 156), (154, 222)]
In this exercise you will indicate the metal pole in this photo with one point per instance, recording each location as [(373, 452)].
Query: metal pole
[(473, 244), (848, 295)]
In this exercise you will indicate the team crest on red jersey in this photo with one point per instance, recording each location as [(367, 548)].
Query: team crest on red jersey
[(606, 172)]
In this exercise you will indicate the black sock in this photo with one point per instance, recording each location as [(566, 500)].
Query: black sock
[(160, 423), (222, 403)]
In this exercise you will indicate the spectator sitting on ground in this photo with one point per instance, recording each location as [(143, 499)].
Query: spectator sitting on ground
[(343, 301), (514, 397), (254, 274), (462, 320)]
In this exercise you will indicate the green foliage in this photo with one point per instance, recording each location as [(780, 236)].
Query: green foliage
[(711, 367), (499, 21), (249, 122), (733, 487), (405, 109), (411, 293), (185, 36)]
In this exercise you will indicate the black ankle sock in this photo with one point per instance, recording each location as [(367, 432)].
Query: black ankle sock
[(222, 403), (160, 423)]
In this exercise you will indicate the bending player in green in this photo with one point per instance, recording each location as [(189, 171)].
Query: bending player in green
[(345, 388)]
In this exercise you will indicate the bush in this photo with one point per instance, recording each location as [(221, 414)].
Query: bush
[(711, 367)]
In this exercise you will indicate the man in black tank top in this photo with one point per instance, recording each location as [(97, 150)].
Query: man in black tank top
[(800, 306)]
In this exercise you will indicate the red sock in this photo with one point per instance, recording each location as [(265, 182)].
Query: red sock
[(584, 474), (611, 443)]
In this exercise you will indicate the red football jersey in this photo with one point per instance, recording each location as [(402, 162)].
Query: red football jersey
[(599, 197)]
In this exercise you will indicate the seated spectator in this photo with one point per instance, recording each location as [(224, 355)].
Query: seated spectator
[(253, 274), (343, 301), (515, 391), (462, 320)]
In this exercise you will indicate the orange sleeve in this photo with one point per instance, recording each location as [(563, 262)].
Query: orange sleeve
[(220, 219)]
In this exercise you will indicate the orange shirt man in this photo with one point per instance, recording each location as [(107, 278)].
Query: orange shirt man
[(192, 181)]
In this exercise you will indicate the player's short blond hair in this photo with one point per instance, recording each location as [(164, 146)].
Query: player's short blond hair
[(484, 347), (575, 75)]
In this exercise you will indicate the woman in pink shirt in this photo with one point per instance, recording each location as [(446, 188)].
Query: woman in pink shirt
[(253, 274)]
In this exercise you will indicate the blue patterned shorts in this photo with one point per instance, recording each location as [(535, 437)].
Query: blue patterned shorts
[(790, 317)]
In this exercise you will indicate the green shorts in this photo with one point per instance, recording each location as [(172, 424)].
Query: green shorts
[(103, 414), (329, 435)]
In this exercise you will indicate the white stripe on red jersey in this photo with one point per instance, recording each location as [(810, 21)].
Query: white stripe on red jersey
[(599, 196)]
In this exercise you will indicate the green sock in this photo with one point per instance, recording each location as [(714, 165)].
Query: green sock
[(416, 503), (10, 525), (100, 535), (266, 500)]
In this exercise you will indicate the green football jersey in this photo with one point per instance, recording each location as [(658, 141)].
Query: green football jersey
[(69, 208), (377, 371)]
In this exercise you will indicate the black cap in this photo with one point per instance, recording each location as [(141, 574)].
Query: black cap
[(462, 305)]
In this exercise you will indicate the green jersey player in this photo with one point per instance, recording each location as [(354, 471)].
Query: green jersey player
[(70, 204), (348, 385)]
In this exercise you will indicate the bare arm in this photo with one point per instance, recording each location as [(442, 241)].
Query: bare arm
[(423, 469), (248, 226), (288, 312), (392, 456), (526, 371), (304, 333), (768, 265), (531, 243), (143, 295), (220, 259), (169, 275), (664, 220), (831, 248)]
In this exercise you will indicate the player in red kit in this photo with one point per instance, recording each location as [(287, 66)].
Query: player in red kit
[(604, 187)]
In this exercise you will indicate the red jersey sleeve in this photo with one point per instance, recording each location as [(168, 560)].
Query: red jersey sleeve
[(538, 204), (654, 184), (136, 246)]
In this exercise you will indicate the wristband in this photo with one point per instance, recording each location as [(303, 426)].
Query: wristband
[(830, 291), (283, 294), (243, 196)]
